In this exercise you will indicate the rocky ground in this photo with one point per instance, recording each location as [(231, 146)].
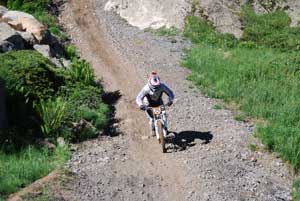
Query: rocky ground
[(212, 160)]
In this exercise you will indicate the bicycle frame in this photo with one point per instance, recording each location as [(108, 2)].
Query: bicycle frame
[(160, 114)]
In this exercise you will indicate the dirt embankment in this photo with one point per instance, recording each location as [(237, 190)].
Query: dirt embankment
[(215, 163)]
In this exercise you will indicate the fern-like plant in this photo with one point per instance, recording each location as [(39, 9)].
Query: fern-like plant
[(53, 114), (81, 71)]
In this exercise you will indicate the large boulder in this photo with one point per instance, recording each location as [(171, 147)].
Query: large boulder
[(33, 26), (154, 13), (9, 34), (21, 21), (16, 15), (28, 38), (3, 10), (223, 15), (292, 8)]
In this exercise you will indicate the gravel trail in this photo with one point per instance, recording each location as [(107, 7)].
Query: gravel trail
[(212, 160)]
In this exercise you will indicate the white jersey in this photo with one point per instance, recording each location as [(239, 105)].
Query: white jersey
[(154, 97)]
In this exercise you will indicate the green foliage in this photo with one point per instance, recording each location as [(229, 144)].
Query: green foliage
[(53, 114), (254, 74), (39, 9), (240, 117), (71, 52), (30, 74), (81, 71), (20, 169), (271, 29), (252, 147), (93, 121), (57, 32), (86, 104), (164, 31), (264, 82), (27, 5), (217, 107), (296, 190), (30, 79), (200, 31)]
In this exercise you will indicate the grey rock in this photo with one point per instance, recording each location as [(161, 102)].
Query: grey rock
[(153, 14), (61, 63), (61, 142), (6, 46), (292, 7), (3, 10), (9, 34), (44, 50), (222, 14), (28, 38), (16, 15)]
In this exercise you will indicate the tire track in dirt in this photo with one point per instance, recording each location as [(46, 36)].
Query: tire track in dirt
[(145, 159)]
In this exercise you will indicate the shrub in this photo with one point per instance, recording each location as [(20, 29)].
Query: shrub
[(53, 114), (30, 74), (164, 31), (82, 72), (71, 52), (86, 111), (271, 29), (200, 31)]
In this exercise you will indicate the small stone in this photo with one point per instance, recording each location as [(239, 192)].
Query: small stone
[(61, 142)]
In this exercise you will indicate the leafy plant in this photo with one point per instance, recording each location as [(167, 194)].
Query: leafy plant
[(71, 52), (30, 74), (53, 114), (81, 71), (164, 31), (199, 31), (271, 29)]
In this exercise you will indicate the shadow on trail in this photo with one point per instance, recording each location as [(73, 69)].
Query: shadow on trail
[(186, 139), (111, 99)]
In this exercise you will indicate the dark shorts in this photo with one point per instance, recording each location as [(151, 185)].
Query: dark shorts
[(153, 103)]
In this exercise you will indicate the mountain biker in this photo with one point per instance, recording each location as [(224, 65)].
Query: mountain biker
[(151, 96)]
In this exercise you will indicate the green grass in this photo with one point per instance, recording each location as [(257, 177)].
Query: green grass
[(217, 107), (252, 147), (261, 77), (296, 190), (20, 169), (164, 31)]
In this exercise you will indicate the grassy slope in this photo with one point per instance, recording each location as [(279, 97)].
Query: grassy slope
[(20, 169), (260, 73)]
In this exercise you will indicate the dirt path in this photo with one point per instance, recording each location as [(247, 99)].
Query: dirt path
[(217, 164)]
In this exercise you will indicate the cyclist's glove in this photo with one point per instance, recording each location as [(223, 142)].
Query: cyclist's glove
[(170, 103), (143, 107)]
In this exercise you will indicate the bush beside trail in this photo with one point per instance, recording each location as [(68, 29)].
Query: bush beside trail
[(44, 102)]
